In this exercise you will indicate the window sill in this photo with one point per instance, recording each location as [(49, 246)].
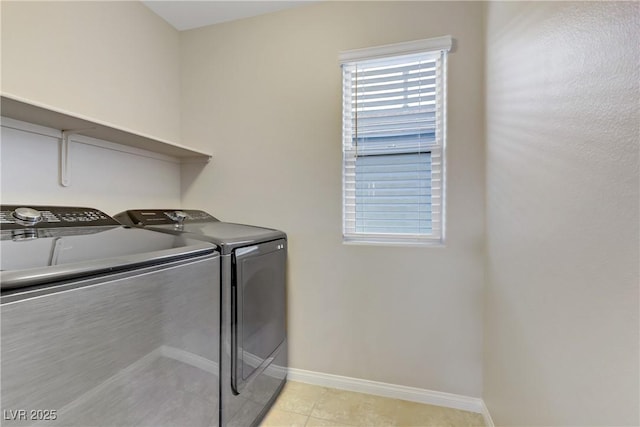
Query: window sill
[(365, 241)]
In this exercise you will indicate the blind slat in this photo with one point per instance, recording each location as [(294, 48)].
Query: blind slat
[(394, 84), (365, 72), (427, 99), (389, 122), (392, 112), (405, 92)]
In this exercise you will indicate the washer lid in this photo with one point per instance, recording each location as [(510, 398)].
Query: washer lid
[(35, 256)]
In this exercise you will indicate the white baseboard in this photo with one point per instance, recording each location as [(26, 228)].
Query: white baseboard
[(488, 421), (394, 391)]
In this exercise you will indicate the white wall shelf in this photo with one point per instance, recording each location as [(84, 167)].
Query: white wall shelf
[(27, 111)]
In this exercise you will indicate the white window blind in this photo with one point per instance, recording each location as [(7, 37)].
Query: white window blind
[(393, 142)]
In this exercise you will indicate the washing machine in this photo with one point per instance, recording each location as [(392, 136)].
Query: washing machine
[(253, 358), (105, 325)]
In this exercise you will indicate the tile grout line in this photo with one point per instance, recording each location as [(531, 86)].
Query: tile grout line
[(325, 419), (311, 411), (319, 398)]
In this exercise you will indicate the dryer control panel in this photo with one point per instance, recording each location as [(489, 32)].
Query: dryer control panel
[(146, 217), (16, 217)]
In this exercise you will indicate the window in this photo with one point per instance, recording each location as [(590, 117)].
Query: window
[(393, 142)]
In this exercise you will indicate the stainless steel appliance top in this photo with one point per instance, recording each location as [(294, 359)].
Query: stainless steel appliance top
[(49, 244), (200, 225)]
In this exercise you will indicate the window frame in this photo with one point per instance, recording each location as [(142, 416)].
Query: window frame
[(441, 46)]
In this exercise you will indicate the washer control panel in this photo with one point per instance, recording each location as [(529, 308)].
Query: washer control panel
[(145, 217), (15, 217)]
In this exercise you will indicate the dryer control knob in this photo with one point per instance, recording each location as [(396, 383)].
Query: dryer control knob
[(180, 216), (27, 214)]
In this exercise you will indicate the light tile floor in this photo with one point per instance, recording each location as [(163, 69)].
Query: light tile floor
[(302, 405)]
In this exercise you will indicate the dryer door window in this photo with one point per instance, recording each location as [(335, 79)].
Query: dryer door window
[(259, 309)]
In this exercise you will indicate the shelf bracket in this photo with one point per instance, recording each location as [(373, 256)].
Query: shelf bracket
[(65, 180), (65, 154)]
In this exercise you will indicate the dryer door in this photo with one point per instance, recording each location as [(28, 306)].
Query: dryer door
[(258, 309)]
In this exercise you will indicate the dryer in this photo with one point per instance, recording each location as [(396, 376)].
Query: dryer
[(104, 325), (253, 359)]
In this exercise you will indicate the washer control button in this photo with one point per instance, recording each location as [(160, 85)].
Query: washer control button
[(27, 215)]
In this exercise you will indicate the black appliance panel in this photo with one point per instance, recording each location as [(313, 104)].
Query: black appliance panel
[(258, 309), (11, 217), (150, 217)]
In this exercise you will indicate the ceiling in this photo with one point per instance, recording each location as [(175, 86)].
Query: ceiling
[(188, 14)]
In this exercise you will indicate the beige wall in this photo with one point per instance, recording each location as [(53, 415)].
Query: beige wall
[(264, 94), (116, 62), (561, 329)]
